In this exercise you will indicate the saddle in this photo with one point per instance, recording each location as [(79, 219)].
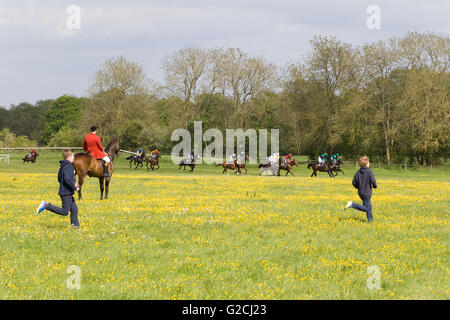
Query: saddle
[(102, 162)]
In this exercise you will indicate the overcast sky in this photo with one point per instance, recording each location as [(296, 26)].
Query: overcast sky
[(41, 58)]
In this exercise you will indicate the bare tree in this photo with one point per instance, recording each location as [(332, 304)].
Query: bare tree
[(184, 70), (119, 91)]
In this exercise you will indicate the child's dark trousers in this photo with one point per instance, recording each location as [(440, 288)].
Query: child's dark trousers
[(365, 207), (68, 204)]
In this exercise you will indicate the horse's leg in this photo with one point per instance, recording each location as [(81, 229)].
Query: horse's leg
[(107, 187), (245, 170), (101, 180), (80, 183)]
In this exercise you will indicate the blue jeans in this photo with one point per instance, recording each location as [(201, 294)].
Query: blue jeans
[(365, 207), (68, 204)]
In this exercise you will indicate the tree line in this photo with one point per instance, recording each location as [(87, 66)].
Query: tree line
[(387, 99)]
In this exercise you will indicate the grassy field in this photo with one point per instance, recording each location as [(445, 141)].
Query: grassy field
[(172, 234)]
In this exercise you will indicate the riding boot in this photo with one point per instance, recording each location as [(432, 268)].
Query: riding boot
[(105, 171)]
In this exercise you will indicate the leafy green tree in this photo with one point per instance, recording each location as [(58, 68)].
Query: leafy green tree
[(65, 137), (64, 111), (7, 138)]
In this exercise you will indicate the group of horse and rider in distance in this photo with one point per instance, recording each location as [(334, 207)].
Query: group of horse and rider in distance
[(98, 162), (234, 163), (139, 157), (237, 163)]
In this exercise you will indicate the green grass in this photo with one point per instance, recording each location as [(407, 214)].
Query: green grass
[(173, 234)]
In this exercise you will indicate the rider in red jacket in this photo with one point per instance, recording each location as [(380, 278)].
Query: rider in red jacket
[(93, 146), (287, 159)]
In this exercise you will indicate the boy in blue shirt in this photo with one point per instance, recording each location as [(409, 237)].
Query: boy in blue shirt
[(364, 181), (67, 187)]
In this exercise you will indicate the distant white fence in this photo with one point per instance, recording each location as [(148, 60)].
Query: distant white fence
[(4, 157)]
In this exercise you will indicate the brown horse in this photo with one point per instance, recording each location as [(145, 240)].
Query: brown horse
[(85, 164), (153, 162), (336, 166), (243, 165), (138, 160), (324, 168), (30, 158), (288, 166), (232, 166)]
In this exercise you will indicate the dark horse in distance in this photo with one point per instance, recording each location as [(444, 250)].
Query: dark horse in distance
[(138, 160), (86, 165), (30, 157), (153, 160), (324, 168), (288, 166), (188, 162)]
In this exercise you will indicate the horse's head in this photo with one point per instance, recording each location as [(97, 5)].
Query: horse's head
[(37, 154), (294, 162), (113, 148)]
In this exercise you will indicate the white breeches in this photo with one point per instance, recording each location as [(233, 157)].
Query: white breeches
[(106, 159)]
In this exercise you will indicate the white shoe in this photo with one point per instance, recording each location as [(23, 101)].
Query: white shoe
[(349, 204), (41, 207)]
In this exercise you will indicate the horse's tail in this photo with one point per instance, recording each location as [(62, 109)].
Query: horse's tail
[(128, 158), (260, 165)]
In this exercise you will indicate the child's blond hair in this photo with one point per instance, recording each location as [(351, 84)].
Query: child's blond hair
[(363, 161), (67, 153)]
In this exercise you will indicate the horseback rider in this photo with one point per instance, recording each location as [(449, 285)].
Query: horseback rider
[(334, 157), (231, 159), (139, 152), (241, 157), (93, 146), (287, 159), (322, 159), (274, 158), (192, 156), (153, 154), (32, 152)]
